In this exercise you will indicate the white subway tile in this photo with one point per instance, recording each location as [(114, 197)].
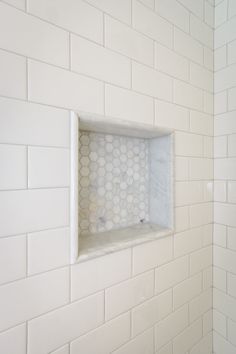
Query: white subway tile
[(208, 148), (232, 238), (201, 77), (209, 59), (225, 33), (220, 102), (187, 241), (225, 124), (168, 61), (171, 326), (128, 105), (232, 8), (220, 279), (181, 219), (48, 167), (122, 297), (208, 322), (232, 332), (221, 345), (166, 349), (151, 254), (174, 12), (171, 274), (220, 191), (48, 250), (186, 340), (219, 321), (13, 75), (187, 46), (20, 4), (208, 102), (187, 95), (152, 25), (232, 145), (52, 205), (200, 168), (104, 339), (13, 340), (225, 78), (12, 258), (94, 60), (209, 14), (201, 31), (123, 39), (231, 99), (63, 350), (200, 305), (139, 345), (220, 58), (220, 146), (187, 290), (62, 88), (147, 314), (187, 193), (31, 297), (150, 82), (196, 7), (231, 284), (201, 123), (224, 304), (200, 259), (171, 116), (203, 346), (58, 327), (232, 192), (149, 3), (225, 258), (225, 214), (225, 168), (221, 13), (100, 273), (32, 124), (188, 144), (207, 278), (181, 168), (231, 52), (200, 214), (52, 43), (13, 164), (120, 10), (73, 15)]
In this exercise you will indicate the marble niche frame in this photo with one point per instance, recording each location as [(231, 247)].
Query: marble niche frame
[(161, 151)]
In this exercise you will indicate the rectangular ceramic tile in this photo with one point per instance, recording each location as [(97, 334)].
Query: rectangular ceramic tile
[(220, 323), (232, 332), (225, 304), (124, 40), (171, 326), (220, 58), (139, 345), (187, 241), (187, 290), (151, 254), (174, 13), (100, 273), (32, 124), (225, 214), (200, 259), (232, 145), (76, 92), (171, 116), (225, 124), (188, 96), (150, 82), (20, 4), (121, 10), (208, 102), (124, 296), (221, 13), (186, 340), (94, 60), (200, 214), (201, 31), (181, 168), (201, 123), (13, 340), (220, 191), (48, 250), (181, 218), (209, 59), (63, 350), (188, 144), (232, 8), (220, 146), (224, 258), (232, 52), (220, 278), (117, 332), (128, 105), (225, 33), (31, 297), (200, 305), (51, 204), (48, 167), (208, 148), (152, 25), (168, 61), (221, 345), (225, 78), (187, 193), (204, 345), (201, 77), (52, 42), (187, 46), (196, 7), (12, 258), (232, 238), (13, 162), (200, 169), (147, 314), (209, 14), (73, 15), (13, 75), (232, 192), (63, 325), (231, 99), (231, 284)]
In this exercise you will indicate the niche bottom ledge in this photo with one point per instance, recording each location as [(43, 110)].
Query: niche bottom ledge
[(100, 244)]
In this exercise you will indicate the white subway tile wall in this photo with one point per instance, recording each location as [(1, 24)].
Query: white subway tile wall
[(144, 61), (224, 254)]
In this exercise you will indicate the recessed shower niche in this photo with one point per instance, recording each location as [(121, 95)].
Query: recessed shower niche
[(121, 184)]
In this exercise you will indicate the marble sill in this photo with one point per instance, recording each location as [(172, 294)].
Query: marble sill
[(97, 245)]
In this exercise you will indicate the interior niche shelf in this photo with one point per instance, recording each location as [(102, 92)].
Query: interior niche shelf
[(121, 184)]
